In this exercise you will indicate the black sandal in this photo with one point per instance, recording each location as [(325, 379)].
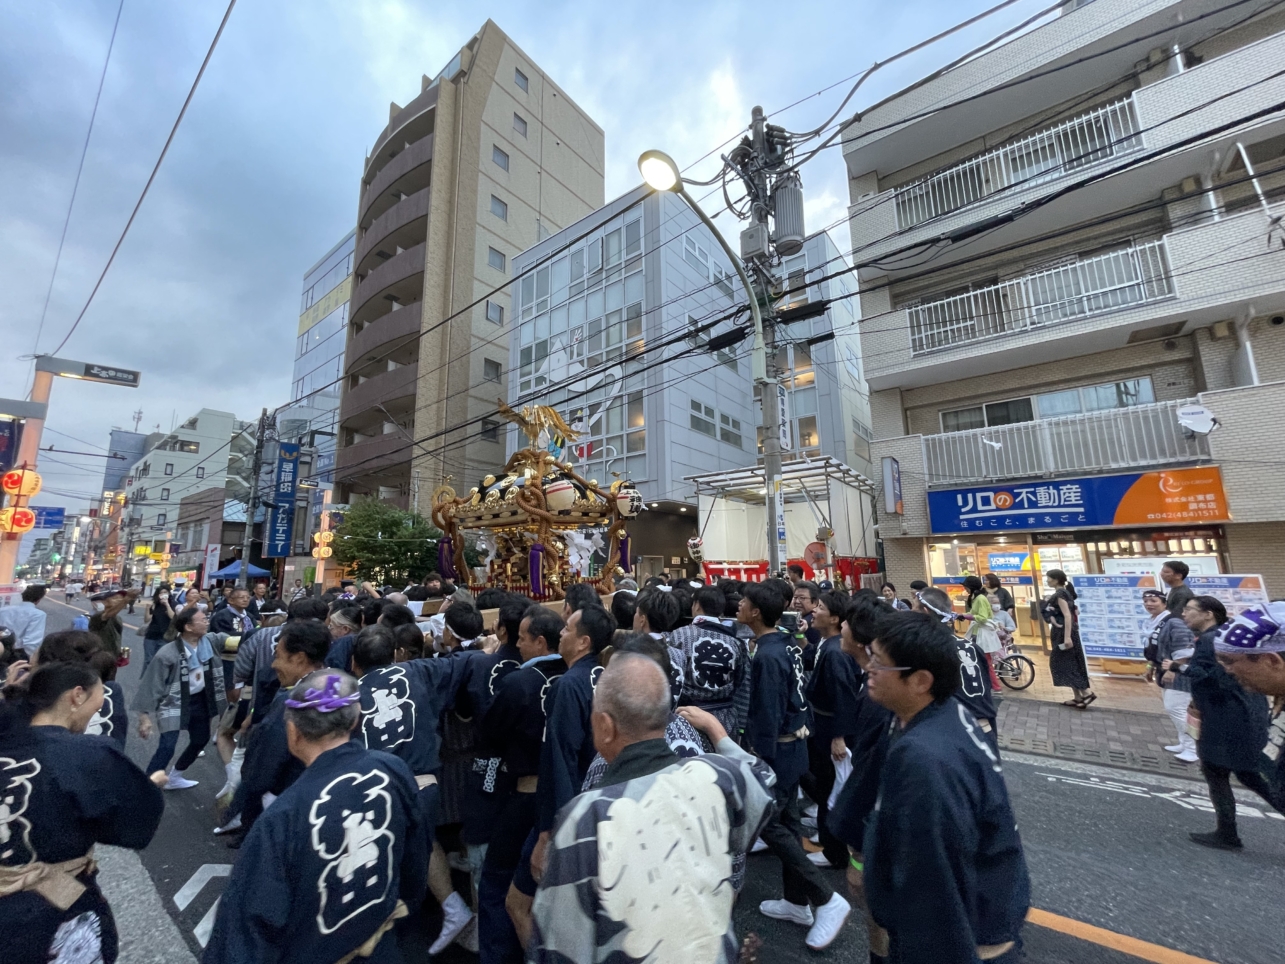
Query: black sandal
[(1084, 704), (1077, 703)]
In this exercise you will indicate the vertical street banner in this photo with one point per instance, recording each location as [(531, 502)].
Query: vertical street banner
[(279, 539), (210, 563)]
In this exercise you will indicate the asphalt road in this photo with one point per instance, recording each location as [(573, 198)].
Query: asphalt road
[(1106, 848)]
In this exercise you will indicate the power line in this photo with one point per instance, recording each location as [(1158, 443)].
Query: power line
[(151, 177), (75, 187)]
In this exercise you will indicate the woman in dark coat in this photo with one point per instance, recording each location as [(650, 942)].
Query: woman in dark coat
[(1066, 663), (1233, 723)]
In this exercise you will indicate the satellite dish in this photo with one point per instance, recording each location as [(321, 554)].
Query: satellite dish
[(1197, 418)]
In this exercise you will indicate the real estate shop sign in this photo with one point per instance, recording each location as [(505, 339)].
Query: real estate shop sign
[(1172, 497)]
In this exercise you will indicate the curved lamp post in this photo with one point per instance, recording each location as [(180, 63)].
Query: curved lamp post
[(661, 174)]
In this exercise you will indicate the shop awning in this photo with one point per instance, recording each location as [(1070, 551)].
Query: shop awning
[(799, 476)]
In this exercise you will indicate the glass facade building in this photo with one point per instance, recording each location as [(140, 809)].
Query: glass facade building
[(317, 384)]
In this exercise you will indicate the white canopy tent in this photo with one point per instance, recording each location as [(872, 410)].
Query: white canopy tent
[(819, 494)]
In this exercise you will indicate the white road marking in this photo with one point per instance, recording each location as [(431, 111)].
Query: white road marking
[(1184, 799), (204, 874), (206, 927)]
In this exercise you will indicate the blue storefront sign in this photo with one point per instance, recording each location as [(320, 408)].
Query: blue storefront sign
[(280, 536), (1008, 561), (1175, 496)]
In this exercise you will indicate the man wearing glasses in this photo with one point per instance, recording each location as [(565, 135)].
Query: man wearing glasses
[(944, 870)]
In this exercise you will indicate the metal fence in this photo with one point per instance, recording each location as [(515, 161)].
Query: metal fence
[(1096, 135), (1126, 276), (1121, 438)]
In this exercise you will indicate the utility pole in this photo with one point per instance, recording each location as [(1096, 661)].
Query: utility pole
[(762, 161), (243, 578)]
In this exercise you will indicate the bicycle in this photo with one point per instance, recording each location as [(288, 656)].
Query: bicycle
[(1014, 670)]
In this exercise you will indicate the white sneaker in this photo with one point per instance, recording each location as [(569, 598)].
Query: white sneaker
[(830, 918), (1188, 756), (1176, 748), (233, 824), (455, 917), (179, 782), (759, 846), (784, 910), (819, 858)]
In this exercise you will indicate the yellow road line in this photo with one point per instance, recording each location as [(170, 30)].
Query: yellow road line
[(1117, 942)]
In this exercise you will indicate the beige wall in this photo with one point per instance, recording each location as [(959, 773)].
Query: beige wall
[(1257, 549), (555, 176)]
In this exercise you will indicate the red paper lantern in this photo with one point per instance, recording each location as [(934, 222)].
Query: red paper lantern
[(21, 482)]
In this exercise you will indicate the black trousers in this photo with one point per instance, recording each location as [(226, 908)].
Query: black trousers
[(1224, 800), (817, 784), (804, 881), (497, 938)]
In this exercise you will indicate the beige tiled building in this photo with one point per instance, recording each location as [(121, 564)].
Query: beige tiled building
[(489, 158), (1060, 243)]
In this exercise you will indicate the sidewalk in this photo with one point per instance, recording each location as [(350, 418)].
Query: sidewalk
[(1112, 737)]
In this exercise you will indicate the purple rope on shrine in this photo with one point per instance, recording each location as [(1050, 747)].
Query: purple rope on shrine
[(446, 558), (324, 700), (535, 560), (624, 553)]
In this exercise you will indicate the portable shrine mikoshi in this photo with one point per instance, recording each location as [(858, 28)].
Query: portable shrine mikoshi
[(538, 523)]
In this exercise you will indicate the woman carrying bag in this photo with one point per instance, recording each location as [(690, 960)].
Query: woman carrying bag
[(1169, 639), (982, 629), (183, 688), (1066, 663)]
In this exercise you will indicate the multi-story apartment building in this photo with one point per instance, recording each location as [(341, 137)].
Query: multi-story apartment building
[(313, 416), (1060, 243), (205, 450), (608, 314), (489, 158)]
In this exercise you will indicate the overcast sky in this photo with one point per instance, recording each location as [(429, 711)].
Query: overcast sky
[(262, 177)]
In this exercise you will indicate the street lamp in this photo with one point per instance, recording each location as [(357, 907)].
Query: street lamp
[(660, 173)]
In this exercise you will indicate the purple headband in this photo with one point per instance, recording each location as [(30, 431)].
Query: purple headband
[(1258, 629), (326, 700)]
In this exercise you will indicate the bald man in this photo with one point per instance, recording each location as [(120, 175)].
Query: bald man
[(659, 831)]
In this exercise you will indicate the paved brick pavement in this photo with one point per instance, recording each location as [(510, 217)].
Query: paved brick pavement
[(1097, 735)]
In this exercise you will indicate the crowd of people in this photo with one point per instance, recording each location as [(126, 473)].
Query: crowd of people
[(585, 780)]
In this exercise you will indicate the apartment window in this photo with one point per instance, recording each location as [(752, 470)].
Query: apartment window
[(499, 208), (492, 370), (160, 519), (200, 471), (519, 78), (165, 495), (169, 468), (1070, 401), (494, 312), (490, 430), (192, 448), (495, 259), (729, 430), (499, 157), (701, 418), (519, 124)]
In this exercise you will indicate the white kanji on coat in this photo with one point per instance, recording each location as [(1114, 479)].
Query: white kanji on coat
[(350, 821), (390, 717), (15, 794)]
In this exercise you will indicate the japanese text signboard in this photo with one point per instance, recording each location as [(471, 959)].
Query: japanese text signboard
[(1172, 497), (280, 535)]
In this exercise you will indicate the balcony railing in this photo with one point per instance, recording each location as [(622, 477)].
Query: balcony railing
[(1106, 282), (1120, 438), (1075, 143)]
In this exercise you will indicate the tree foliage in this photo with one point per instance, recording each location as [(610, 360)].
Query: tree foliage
[(385, 544)]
